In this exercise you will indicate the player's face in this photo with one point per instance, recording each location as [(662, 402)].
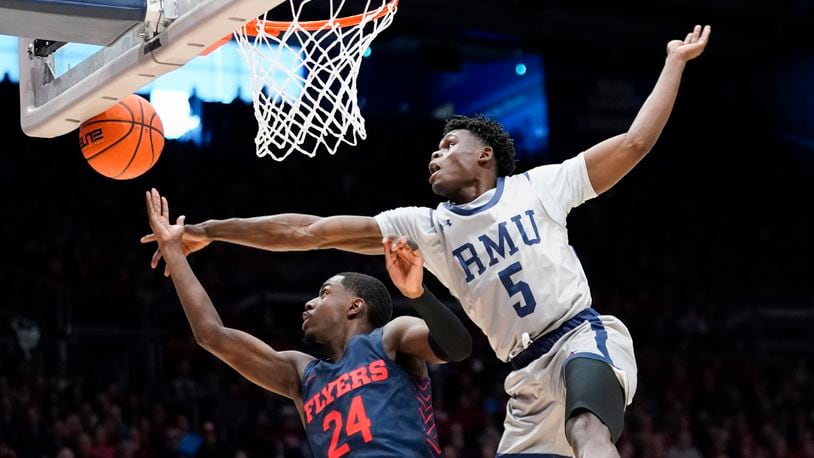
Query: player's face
[(325, 314), (453, 166)]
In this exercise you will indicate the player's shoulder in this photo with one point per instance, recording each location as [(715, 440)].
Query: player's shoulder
[(298, 359), (398, 327), (400, 324)]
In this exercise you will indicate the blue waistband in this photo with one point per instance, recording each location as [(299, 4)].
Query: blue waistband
[(543, 344)]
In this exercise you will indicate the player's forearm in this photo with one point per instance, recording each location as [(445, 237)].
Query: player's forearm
[(297, 232), (198, 308), (285, 232), (652, 117), (448, 337)]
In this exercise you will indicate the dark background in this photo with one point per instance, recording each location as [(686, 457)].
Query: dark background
[(704, 250)]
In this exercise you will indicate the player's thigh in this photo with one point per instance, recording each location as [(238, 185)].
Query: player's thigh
[(535, 410), (591, 386), (600, 372)]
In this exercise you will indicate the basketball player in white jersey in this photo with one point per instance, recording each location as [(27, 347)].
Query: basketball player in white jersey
[(501, 246)]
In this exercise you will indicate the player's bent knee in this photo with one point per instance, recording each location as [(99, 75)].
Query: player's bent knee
[(583, 426), (594, 399)]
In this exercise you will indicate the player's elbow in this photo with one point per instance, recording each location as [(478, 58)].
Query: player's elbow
[(209, 338), (636, 146), (461, 349), (464, 352)]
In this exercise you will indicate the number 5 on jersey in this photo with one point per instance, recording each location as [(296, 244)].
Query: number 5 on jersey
[(358, 422), (521, 287)]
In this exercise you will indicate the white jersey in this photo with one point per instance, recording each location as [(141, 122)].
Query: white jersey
[(505, 255)]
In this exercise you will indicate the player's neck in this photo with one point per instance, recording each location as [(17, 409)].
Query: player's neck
[(336, 350), (472, 191)]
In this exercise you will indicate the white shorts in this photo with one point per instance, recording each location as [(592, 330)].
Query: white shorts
[(535, 412)]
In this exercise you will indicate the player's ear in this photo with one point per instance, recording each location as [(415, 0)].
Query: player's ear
[(486, 154), (357, 307)]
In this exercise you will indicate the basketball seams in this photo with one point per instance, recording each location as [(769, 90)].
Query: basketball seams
[(123, 137), (152, 146), (119, 140), (140, 136)]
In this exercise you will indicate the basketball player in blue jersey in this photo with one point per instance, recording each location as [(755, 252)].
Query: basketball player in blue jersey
[(501, 246), (372, 396)]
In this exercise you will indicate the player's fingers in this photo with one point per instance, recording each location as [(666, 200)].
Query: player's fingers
[(418, 258), (154, 209), (165, 208), (396, 242), (156, 257), (696, 33), (157, 204), (399, 246), (148, 238), (688, 38), (405, 244), (705, 34), (406, 253), (410, 258), (149, 202), (388, 250), (180, 220), (155, 200)]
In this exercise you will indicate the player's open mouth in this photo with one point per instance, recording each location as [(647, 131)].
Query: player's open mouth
[(434, 169), (433, 174), (304, 324)]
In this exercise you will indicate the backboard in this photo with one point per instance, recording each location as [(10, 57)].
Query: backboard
[(137, 50)]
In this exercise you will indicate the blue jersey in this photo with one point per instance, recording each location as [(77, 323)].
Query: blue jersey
[(366, 405)]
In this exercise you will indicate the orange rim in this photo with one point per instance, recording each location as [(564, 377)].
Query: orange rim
[(277, 27)]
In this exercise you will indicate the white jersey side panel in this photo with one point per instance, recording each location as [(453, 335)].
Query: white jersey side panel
[(506, 255)]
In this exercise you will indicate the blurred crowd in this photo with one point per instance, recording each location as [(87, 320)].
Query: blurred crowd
[(689, 405), (96, 358)]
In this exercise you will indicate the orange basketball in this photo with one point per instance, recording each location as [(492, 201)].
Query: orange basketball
[(124, 141)]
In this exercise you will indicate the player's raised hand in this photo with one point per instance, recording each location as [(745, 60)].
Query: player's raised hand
[(193, 238), (158, 212), (405, 264), (693, 44)]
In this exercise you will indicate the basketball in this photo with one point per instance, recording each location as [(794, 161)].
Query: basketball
[(125, 141)]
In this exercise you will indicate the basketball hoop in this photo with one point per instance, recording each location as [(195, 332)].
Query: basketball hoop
[(312, 104)]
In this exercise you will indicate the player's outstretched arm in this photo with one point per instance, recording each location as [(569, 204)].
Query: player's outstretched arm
[(612, 159), (284, 232), (275, 371), (439, 336)]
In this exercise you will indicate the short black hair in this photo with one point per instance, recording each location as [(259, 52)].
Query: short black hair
[(492, 134), (375, 294)]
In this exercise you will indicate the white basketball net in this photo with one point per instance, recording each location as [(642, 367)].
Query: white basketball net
[(311, 103)]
